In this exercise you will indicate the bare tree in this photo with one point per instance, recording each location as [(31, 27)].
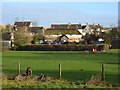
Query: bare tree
[(22, 36)]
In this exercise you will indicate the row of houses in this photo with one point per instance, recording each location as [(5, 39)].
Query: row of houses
[(56, 32)]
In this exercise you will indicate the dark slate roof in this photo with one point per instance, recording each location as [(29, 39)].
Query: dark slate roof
[(6, 36), (35, 29), (83, 27)]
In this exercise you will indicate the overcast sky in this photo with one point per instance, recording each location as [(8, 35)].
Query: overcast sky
[(46, 13)]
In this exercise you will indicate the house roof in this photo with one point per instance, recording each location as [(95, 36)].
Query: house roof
[(58, 32), (35, 29), (59, 24), (26, 23), (66, 26), (6, 36), (83, 27)]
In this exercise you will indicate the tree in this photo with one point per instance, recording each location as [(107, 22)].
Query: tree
[(22, 36), (114, 33), (91, 37)]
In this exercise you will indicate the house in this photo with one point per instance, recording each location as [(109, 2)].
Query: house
[(74, 38), (73, 35), (36, 29), (7, 40), (90, 29), (95, 28), (22, 24), (62, 31), (68, 26), (85, 29), (61, 39)]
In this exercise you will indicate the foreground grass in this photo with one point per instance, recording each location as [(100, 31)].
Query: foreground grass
[(56, 83), (76, 66)]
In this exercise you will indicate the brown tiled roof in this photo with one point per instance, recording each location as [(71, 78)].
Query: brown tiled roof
[(22, 23)]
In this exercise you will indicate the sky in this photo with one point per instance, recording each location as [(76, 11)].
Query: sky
[(47, 13)]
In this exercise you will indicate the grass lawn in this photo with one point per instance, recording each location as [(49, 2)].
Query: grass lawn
[(75, 65)]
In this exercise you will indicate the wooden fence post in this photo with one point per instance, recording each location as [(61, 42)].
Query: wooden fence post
[(60, 68), (19, 68), (103, 74)]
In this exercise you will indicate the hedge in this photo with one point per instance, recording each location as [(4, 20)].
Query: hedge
[(62, 47)]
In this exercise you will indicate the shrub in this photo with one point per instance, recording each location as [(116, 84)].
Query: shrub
[(61, 47)]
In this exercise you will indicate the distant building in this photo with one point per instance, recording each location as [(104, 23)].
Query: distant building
[(73, 35), (84, 29), (61, 39), (95, 28), (7, 40), (65, 26), (36, 29), (90, 29)]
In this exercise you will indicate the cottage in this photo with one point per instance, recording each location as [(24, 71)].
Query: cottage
[(61, 39), (7, 40), (85, 29)]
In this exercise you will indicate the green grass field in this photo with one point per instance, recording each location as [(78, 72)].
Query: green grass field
[(75, 65)]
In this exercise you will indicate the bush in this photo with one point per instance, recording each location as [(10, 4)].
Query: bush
[(62, 47)]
